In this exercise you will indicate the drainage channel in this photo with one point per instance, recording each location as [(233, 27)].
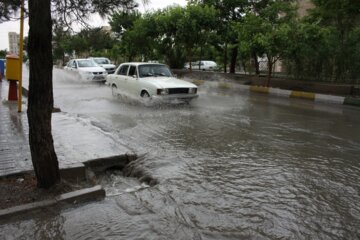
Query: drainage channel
[(99, 178)]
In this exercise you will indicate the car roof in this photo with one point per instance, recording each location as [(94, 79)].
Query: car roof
[(141, 63), (77, 59), (97, 58)]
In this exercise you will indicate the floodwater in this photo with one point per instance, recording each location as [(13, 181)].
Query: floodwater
[(228, 166)]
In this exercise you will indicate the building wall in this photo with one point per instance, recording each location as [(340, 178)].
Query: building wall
[(14, 40), (304, 6)]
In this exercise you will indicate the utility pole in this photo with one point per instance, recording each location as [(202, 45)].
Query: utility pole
[(21, 54)]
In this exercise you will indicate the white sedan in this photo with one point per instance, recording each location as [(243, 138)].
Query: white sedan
[(202, 65), (150, 80), (87, 69), (105, 63)]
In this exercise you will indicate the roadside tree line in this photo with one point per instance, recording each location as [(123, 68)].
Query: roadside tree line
[(323, 46)]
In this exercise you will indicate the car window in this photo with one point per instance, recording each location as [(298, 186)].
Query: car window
[(123, 70), (101, 61), (149, 70), (86, 63), (132, 71)]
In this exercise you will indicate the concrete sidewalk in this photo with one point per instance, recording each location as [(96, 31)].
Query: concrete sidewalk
[(76, 139), (14, 132)]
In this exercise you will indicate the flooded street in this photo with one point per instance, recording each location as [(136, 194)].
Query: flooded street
[(228, 166)]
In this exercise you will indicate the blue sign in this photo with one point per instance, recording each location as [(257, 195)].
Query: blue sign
[(2, 67)]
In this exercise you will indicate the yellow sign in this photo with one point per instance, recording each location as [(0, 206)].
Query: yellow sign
[(12, 68)]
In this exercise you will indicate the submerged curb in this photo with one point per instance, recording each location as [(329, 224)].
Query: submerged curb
[(83, 195), (352, 101), (315, 97)]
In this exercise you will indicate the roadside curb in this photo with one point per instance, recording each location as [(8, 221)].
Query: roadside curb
[(352, 101), (72, 173), (79, 196), (314, 97)]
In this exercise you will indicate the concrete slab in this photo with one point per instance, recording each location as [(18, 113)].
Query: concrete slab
[(79, 196)]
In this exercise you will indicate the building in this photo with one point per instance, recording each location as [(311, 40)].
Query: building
[(304, 6), (14, 42)]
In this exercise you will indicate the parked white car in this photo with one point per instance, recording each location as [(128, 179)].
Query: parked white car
[(204, 65), (105, 63), (87, 69), (150, 80)]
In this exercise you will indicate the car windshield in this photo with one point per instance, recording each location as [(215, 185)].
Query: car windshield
[(86, 63), (101, 61), (149, 70)]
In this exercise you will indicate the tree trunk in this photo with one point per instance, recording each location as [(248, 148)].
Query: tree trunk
[(189, 51), (256, 62), (270, 66), (234, 53), (40, 102), (225, 58)]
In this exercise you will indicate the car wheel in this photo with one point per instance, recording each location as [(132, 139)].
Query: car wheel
[(114, 90), (145, 94)]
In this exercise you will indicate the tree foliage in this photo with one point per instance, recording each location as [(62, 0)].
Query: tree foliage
[(3, 53), (162, 34), (266, 32), (230, 13), (328, 43)]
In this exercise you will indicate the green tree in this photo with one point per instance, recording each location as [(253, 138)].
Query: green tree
[(186, 28), (133, 34), (122, 21), (325, 44), (230, 13), (3, 53), (341, 19), (60, 38), (268, 32)]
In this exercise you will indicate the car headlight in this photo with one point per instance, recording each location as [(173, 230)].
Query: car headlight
[(163, 91), (192, 90)]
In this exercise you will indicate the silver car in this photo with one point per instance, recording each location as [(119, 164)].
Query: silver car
[(86, 69)]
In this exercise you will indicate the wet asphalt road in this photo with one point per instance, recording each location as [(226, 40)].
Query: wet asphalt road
[(229, 166)]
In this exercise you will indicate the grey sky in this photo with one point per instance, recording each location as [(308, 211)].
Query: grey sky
[(14, 26)]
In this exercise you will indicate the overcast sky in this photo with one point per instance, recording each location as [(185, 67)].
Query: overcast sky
[(14, 26)]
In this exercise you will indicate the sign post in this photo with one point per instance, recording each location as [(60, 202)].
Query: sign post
[(21, 54)]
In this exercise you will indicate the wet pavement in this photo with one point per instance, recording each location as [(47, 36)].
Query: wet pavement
[(14, 146), (229, 166), (76, 139)]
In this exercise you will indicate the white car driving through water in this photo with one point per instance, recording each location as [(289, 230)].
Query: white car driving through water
[(105, 63), (150, 80), (86, 69)]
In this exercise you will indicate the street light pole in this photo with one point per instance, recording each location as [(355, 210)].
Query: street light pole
[(21, 54)]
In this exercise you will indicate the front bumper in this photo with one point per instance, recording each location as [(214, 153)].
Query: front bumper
[(174, 98), (97, 78), (110, 70)]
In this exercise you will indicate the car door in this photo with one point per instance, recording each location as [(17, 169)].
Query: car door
[(74, 66), (120, 78), (69, 65), (132, 80)]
